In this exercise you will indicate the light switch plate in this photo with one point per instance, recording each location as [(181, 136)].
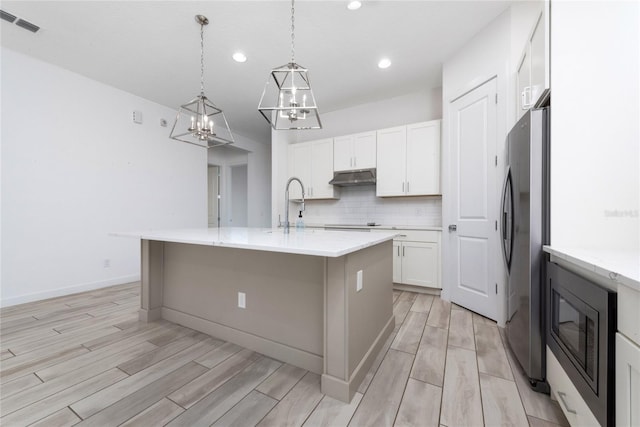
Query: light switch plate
[(359, 281)]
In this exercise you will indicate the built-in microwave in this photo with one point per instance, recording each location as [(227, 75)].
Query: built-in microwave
[(581, 334)]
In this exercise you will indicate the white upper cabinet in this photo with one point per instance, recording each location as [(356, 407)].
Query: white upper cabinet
[(391, 161), (533, 68), (312, 162), (423, 158), (354, 151), (408, 160)]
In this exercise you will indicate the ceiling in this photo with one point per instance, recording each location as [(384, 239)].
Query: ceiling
[(152, 48)]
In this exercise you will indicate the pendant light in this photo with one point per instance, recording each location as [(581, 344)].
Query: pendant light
[(200, 122), (287, 100)]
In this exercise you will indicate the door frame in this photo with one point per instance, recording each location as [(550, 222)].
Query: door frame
[(505, 113)]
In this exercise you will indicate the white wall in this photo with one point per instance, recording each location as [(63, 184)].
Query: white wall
[(74, 168), (257, 156), (595, 125), (415, 107), (410, 108)]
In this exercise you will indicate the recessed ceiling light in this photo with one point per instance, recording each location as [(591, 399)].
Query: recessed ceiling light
[(384, 63), (354, 5), (239, 57)]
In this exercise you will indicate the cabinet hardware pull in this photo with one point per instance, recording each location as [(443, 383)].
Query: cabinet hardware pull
[(402, 235), (403, 186), (403, 251), (562, 396), (407, 186), (398, 250)]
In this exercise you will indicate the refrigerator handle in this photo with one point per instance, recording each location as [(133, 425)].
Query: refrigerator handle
[(506, 225)]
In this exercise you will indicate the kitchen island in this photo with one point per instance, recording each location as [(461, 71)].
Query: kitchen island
[(299, 290)]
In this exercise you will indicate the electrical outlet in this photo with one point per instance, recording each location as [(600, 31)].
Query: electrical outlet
[(359, 281), (106, 263), (242, 300)]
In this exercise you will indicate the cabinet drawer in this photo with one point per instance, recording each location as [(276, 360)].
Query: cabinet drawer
[(628, 313), (567, 395), (417, 236)]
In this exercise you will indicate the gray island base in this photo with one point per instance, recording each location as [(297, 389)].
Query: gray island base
[(301, 308)]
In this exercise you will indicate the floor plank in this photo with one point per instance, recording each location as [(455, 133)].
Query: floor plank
[(422, 304), (492, 358), (249, 411), (22, 365), (420, 405), (333, 413), (296, 406), (461, 403), (461, 330), (150, 358), (409, 334), (218, 354), (282, 380), (430, 358), (63, 418), (439, 314), (500, 403), (382, 399), (18, 385), (155, 415)]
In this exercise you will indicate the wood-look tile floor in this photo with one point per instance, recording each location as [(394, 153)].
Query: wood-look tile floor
[(85, 359)]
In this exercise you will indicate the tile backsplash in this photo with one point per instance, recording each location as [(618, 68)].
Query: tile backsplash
[(359, 205)]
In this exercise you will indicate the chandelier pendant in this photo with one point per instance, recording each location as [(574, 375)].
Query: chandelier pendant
[(287, 101), (199, 121)]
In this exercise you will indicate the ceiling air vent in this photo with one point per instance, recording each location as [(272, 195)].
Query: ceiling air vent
[(7, 16), (27, 25)]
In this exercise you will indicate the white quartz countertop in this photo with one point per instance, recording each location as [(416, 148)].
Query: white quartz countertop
[(621, 267), (325, 243)]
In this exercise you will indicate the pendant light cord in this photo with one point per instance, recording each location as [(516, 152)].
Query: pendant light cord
[(293, 36), (202, 59)]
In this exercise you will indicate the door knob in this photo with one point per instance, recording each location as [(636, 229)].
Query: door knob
[(453, 227)]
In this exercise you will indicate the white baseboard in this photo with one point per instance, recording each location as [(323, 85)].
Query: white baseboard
[(52, 293)]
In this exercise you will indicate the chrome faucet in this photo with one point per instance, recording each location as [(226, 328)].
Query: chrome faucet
[(286, 202)]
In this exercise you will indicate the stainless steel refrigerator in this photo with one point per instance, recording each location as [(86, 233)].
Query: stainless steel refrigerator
[(525, 229)]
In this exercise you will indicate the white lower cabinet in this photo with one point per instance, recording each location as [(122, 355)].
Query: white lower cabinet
[(572, 404), (628, 358), (416, 258), (627, 382)]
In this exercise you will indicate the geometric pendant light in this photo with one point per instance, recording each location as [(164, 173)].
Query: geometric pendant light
[(287, 101), (199, 121)]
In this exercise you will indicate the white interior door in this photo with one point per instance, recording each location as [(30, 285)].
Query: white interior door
[(239, 187), (213, 193), (474, 248)]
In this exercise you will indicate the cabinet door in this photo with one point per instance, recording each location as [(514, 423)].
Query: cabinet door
[(391, 157), (397, 262), (343, 153), (364, 150), (524, 85), (322, 169), (423, 159), (420, 264), (627, 382), (299, 166)]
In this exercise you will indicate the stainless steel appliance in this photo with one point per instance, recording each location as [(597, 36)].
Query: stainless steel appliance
[(582, 317), (525, 229)]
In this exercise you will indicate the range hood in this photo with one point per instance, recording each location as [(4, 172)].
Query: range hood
[(355, 177)]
